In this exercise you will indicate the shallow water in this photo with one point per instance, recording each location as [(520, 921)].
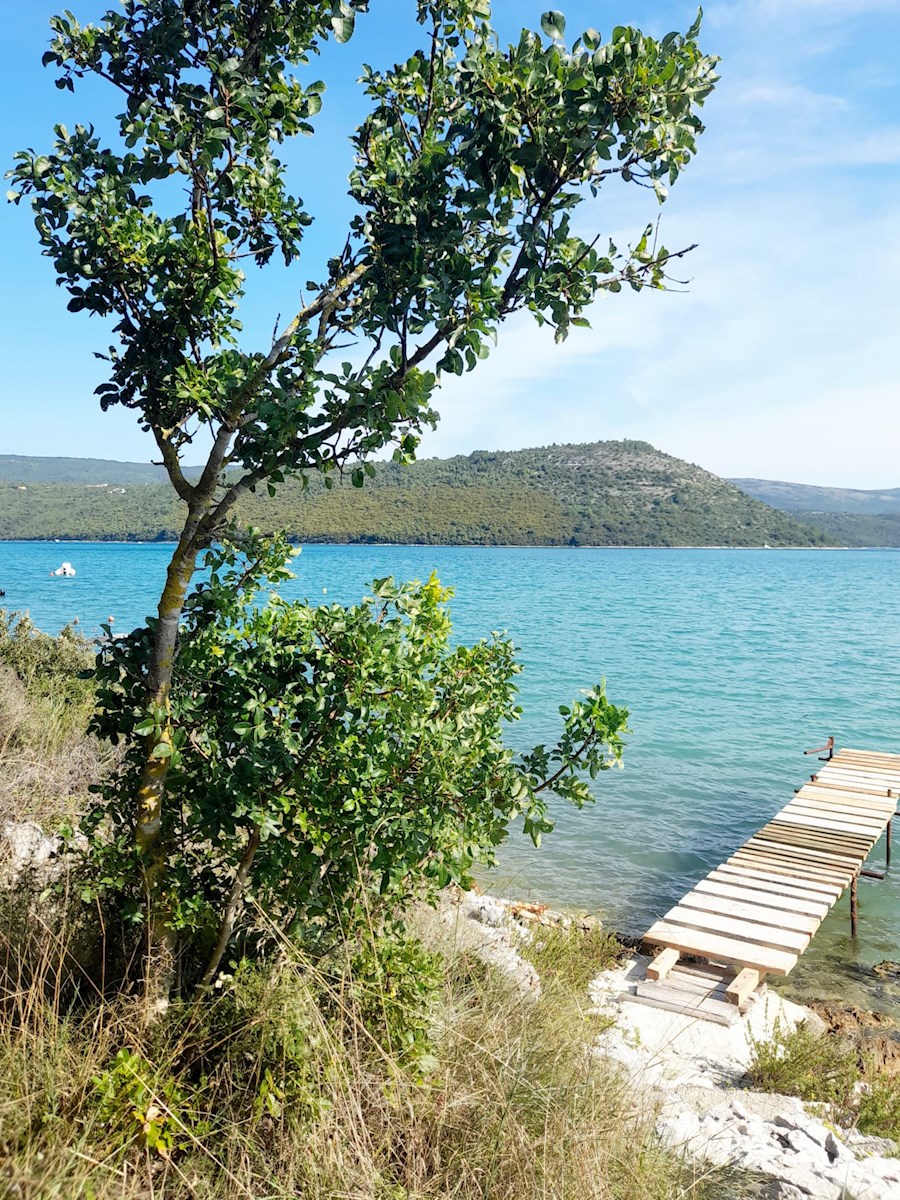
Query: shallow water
[(732, 662)]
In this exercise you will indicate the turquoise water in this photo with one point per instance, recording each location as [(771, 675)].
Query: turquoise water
[(732, 662)]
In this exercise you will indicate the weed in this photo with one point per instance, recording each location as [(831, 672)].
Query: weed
[(827, 1069)]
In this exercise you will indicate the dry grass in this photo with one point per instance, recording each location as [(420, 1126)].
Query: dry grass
[(276, 1088), (47, 759)]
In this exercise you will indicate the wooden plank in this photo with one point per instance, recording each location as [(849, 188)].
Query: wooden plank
[(832, 818), (865, 806), (798, 874), (866, 778), (748, 931), (809, 818), (868, 762), (758, 877), (863, 797), (803, 867), (762, 914), (743, 887), (831, 813), (707, 945), (884, 770), (771, 862), (869, 758), (742, 985), (706, 1008), (830, 859), (801, 861), (819, 836), (878, 755), (877, 775), (826, 841), (662, 964)]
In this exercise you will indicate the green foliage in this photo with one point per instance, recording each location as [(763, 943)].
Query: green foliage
[(469, 168), (878, 1105), (136, 1104), (45, 664), (335, 762), (803, 1063), (388, 985), (829, 1069)]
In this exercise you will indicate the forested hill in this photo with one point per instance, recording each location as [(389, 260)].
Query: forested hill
[(601, 493)]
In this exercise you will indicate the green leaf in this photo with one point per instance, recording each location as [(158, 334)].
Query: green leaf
[(553, 24), (343, 25)]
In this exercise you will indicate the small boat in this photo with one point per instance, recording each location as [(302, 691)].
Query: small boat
[(65, 568)]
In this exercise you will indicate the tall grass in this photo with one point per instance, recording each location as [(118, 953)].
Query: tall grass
[(281, 1086)]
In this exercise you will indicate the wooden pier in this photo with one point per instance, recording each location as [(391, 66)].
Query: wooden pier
[(756, 913)]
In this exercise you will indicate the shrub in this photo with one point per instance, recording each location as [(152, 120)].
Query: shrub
[(328, 764), (828, 1069)]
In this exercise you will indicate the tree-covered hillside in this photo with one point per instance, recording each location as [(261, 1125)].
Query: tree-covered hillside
[(880, 530), (600, 493)]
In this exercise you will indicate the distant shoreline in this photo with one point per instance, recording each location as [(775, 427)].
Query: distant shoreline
[(443, 545)]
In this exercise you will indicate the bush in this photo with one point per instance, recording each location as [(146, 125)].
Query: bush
[(327, 765), (48, 761), (827, 1069)]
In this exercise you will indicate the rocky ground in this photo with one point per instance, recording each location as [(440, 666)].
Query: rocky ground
[(695, 1072)]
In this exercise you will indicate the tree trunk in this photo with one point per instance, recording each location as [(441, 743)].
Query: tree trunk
[(159, 969)]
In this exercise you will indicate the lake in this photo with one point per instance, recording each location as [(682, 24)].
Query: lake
[(731, 662)]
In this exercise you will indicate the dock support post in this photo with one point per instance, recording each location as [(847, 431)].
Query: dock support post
[(887, 849), (853, 905)]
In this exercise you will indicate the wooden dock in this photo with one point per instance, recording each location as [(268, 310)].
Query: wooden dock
[(756, 913)]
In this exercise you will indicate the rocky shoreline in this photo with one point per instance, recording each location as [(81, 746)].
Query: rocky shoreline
[(695, 1073)]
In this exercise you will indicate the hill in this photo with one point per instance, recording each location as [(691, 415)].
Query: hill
[(852, 516), (802, 497), (23, 468), (601, 493)]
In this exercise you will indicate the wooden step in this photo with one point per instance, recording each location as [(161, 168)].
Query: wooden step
[(721, 948)]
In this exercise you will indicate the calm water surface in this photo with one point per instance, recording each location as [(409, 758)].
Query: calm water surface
[(732, 662)]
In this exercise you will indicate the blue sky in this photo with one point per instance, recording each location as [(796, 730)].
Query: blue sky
[(780, 360)]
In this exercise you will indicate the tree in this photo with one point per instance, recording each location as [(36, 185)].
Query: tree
[(467, 173)]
